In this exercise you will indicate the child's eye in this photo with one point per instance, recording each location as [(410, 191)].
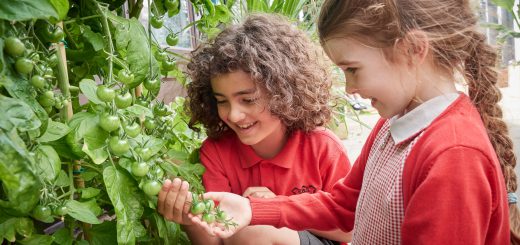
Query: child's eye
[(250, 100), (351, 70), (219, 102)]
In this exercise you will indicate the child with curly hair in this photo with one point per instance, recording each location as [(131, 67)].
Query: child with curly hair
[(438, 168), (262, 95)]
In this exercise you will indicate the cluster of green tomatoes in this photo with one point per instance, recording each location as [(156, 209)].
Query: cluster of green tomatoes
[(210, 213)]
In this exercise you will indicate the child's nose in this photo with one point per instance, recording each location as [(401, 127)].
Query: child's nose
[(351, 89), (235, 114)]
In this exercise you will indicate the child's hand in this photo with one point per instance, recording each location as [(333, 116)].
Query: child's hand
[(174, 201), (259, 192), (236, 207)]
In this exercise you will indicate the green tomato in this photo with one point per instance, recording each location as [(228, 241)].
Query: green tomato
[(24, 65), (57, 35), (145, 153), (123, 100), (172, 39), (125, 76), (52, 61), (105, 93), (152, 187), (168, 64), (118, 146), (158, 172), (38, 81), (46, 99), (142, 102), (48, 71), (42, 213), (208, 218), (132, 130), (171, 4), (140, 169), (156, 22), (210, 204), (161, 110), (109, 123), (14, 47), (197, 208), (149, 123), (221, 216), (152, 85), (60, 210)]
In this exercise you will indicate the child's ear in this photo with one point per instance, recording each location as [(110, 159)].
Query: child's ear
[(415, 46)]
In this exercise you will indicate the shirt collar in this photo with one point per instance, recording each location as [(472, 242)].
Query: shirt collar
[(413, 122), (284, 159)]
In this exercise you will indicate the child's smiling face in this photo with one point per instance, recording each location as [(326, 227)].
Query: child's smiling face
[(244, 109), (389, 85)]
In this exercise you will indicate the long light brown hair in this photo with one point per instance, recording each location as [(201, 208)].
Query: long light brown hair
[(457, 47)]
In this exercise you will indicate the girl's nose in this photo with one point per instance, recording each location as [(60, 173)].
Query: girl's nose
[(351, 89), (236, 114)]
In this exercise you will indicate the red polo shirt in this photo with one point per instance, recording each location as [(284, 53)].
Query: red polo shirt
[(307, 163)]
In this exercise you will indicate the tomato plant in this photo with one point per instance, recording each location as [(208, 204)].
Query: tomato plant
[(79, 81)]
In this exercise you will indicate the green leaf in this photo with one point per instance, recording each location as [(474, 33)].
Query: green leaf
[(168, 231), (105, 233), (98, 156), (187, 169), (505, 4), (15, 113), (88, 88), (49, 162), (94, 38), (62, 180), (28, 9), (18, 178), (155, 144), (95, 137), (12, 226), (138, 110), (21, 89), (82, 122), (63, 237), (55, 130), (125, 196), (93, 206), (61, 7), (81, 212), (89, 192), (37, 239), (132, 43)]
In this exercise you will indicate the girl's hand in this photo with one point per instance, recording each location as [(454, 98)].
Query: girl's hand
[(235, 206), (259, 192), (174, 201)]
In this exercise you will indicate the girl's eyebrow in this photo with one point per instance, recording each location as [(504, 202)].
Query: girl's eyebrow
[(347, 63), (242, 92)]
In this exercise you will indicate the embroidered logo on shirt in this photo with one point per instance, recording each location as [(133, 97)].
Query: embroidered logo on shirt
[(304, 189)]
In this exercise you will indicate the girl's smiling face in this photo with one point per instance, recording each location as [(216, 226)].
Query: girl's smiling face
[(244, 109), (388, 84)]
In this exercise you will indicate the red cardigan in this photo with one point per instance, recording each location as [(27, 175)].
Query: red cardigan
[(453, 188)]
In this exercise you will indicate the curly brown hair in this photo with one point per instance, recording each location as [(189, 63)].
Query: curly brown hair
[(282, 61), (457, 45)]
